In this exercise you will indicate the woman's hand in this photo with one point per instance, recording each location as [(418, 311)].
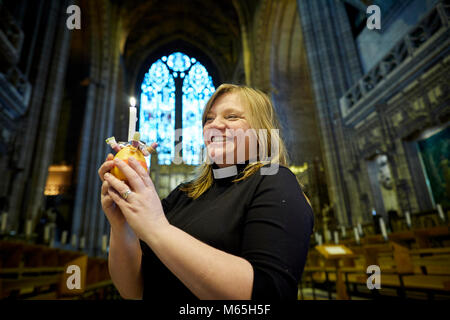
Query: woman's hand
[(112, 211), (142, 207)]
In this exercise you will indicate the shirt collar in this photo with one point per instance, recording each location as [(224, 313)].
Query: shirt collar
[(221, 173), (227, 172)]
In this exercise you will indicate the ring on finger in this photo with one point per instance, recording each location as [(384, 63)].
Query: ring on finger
[(126, 194)]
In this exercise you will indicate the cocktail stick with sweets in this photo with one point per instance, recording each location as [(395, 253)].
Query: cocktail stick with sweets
[(137, 149)]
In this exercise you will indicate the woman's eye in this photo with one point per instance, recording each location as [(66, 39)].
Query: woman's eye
[(232, 116), (209, 119)]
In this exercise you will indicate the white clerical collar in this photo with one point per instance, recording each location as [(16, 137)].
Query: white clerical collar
[(226, 172)]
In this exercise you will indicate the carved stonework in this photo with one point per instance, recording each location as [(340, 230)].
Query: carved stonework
[(371, 140), (403, 194), (420, 38), (11, 38)]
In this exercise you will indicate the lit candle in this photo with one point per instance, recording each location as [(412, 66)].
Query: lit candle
[(319, 239), (440, 212), (336, 237), (132, 120), (355, 231), (408, 219), (64, 237), (4, 221), (104, 242), (383, 229)]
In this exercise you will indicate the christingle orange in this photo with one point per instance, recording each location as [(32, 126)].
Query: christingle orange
[(137, 149)]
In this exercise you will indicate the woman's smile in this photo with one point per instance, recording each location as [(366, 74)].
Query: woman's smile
[(223, 121)]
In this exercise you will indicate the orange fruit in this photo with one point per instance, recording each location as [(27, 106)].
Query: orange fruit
[(124, 154)]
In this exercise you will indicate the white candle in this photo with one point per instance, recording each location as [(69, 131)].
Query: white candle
[(355, 231), (360, 229), (408, 219), (440, 212), (327, 236), (74, 241), (132, 123), (344, 232), (104, 242), (4, 221), (383, 229), (46, 232), (82, 242), (336, 237), (319, 239), (28, 228), (64, 237)]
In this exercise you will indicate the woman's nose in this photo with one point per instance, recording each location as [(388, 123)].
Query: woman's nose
[(218, 123)]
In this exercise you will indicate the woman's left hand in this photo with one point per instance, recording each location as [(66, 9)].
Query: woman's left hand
[(142, 207)]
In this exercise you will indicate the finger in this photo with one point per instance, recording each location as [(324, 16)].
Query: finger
[(109, 157), (121, 202), (133, 178), (104, 168), (105, 186), (136, 165), (119, 186)]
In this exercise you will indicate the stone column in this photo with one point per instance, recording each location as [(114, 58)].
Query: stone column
[(85, 161), (46, 136), (334, 66), (88, 218), (110, 106), (24, 150)]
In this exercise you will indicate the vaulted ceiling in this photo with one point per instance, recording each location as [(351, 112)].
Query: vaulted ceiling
[(210, 27)]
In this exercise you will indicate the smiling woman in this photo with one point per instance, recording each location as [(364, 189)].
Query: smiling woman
[(234, 232)]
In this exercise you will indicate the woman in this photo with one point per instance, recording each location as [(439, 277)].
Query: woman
[(234, 232)]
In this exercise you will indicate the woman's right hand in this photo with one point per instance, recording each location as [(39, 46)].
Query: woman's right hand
[(111, 209)]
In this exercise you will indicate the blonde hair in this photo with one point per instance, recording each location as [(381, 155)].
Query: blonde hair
[(261, 115)]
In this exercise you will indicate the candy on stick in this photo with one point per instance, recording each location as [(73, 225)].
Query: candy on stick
[(143, 148), (113, 144), (135, 141), (152, 147)]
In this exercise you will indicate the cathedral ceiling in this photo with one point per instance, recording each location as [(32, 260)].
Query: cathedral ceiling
[(210, 26)]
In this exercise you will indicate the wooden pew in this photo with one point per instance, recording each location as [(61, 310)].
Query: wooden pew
[(32, 271), (424, 237), (404, 270)]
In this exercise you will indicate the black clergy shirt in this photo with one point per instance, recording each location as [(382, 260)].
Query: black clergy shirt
[(264, 219)]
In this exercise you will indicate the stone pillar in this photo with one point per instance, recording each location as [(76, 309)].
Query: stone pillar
[(46, 134), (93, 212), (88, 217), (334, 66), (24, 148), (110, 106), (85, 161)]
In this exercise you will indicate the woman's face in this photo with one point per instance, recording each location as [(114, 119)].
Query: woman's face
[(225, 123)]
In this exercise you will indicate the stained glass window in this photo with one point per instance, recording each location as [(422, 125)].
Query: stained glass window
[(177, 76)]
